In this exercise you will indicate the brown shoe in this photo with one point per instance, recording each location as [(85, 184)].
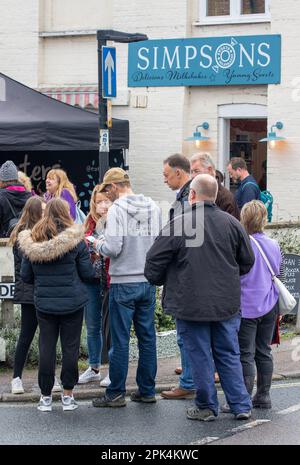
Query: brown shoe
[(178, 371), (179, 393)]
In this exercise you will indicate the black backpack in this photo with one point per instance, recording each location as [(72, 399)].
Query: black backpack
[(14, 220)]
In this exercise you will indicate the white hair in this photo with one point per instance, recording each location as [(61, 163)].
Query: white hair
[(205, 160)]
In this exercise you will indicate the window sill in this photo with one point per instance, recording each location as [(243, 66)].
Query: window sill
[(216, 22)]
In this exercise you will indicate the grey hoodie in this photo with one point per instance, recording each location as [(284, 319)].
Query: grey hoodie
[(133, 222)]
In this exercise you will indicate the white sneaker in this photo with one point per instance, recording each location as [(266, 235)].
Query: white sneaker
[(88, 376), (68, 403), (45, 404), (56, 386), (105, 382), (17, 386)]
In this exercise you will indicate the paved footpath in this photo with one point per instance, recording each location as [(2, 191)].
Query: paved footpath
[(286, 366)]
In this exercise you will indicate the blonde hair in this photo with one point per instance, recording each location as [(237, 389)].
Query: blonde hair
[(254, 216), (93, 213), (56, 219), (25, 180), (63, 183)]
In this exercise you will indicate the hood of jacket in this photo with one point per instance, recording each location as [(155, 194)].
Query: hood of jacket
[(16, 194), (53, 249), (137, 206)]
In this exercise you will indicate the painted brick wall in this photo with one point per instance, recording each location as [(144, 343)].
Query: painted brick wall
[(19, 40), (284, 105)]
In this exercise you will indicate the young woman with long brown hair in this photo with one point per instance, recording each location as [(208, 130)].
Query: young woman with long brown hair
[(58, 185), (23, 294), (56, 261), (96, 311)]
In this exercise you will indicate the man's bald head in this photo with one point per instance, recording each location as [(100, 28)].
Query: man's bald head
[(203, 187)]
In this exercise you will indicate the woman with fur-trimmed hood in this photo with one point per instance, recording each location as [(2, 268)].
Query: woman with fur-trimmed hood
[(56, 261)]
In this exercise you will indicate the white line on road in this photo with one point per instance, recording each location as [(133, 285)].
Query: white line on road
[(291, 409), (204, 441)]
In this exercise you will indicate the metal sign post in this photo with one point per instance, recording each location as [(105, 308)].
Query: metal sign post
[(108, 87)]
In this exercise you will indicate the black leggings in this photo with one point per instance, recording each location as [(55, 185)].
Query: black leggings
[(28, 329)]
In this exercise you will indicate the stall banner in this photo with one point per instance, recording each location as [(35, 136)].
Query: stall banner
[(207, 61)]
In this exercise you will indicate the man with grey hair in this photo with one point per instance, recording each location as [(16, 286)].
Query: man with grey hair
[(202, 292), (202, 163)]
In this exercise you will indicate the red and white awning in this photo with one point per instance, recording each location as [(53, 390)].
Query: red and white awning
[(83, 97)]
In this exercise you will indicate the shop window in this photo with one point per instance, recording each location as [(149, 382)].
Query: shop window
[(253, 7), (233, 11)]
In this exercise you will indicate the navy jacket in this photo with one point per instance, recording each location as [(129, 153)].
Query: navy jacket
[(248, 190), (57, 268)]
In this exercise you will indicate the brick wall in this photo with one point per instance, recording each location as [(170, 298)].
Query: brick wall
[(19, 40)]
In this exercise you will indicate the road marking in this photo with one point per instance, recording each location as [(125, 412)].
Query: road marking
[(230, 432), (291, 409), (204, 441), (250, 425)]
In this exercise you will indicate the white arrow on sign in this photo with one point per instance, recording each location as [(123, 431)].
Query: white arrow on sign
[(109, 66)]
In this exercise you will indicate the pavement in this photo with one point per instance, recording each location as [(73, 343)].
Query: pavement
[(286, 365)]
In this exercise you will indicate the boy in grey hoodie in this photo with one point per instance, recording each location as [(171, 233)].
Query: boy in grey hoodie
[(133, 222)]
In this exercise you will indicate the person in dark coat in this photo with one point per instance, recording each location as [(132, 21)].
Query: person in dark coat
[(201, 163), (56, 260), (247, 186), (200, 269), (13, 197)]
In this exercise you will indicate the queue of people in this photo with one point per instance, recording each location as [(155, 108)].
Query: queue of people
[(109, 267)]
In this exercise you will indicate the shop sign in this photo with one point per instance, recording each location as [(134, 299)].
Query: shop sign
[(292, 276), (207, 61)]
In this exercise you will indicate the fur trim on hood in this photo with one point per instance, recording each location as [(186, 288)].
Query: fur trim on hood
[(48, 251)]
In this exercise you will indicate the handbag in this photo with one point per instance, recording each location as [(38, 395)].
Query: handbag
[(286, 301), (80, 216)]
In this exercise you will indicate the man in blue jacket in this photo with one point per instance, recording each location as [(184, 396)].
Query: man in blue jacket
[(248, 188)]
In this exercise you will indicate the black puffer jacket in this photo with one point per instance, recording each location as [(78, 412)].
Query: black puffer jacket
[(17, 197), (23, 291), (57, 268), (202, 280)]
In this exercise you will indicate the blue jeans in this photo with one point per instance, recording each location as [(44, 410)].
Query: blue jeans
[(93, 321), (217, 342), (186, 379), (132, 302)]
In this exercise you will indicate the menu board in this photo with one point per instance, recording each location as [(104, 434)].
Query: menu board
[(292, 277)]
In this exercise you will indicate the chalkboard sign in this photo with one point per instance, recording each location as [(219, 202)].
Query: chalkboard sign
[(292, 277)]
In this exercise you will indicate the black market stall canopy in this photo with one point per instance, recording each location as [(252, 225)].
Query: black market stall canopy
[(31, 121)]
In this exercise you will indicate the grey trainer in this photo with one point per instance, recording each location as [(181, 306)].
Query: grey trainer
[(195, 413)]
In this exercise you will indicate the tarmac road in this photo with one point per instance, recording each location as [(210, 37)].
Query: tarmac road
[(163, 423)]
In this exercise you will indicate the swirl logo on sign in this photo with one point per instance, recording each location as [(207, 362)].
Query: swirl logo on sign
[(225, 55)]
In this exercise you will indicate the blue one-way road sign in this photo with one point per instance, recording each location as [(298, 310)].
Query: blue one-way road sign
[(109, 72)]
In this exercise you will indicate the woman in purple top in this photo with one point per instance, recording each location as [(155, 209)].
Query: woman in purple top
[(259, 306), (58, 185)]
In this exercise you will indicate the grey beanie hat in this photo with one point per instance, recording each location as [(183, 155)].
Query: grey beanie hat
[(8, 171)]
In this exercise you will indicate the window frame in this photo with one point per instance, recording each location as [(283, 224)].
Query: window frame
[(235, 16)]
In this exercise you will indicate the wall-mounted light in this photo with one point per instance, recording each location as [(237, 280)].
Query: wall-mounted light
[(197, 136), (272, 138)]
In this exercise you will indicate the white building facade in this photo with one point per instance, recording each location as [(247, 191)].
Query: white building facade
[(51, 45)]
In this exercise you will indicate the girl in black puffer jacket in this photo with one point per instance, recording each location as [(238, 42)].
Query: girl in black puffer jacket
[(57, 262), (23, 294)]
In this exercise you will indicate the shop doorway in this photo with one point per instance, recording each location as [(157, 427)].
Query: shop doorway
[(244, 142)]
